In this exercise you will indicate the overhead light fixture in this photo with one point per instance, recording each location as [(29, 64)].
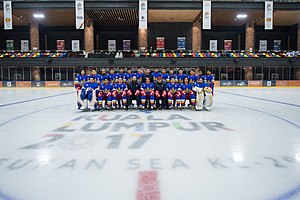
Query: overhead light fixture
[(241, 16), (39, 16)]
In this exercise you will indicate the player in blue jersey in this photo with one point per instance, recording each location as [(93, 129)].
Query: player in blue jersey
[(121, 74), (187, 93), (164, 74), (147, 93), (210, 80), (89, 93), (140, 75), (103, 75), (171, 75), (105, 94), (155, 74), (199, 74), (174, 93), (112, 76), (203, 95), (192, 77), (119, 94), (180, 76), (78, 83), (128, 76), (95, 76)]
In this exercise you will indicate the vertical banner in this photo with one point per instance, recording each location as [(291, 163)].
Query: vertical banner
[(60, 44), (228, 45), (79, 11), (277, 45), (7, 8), (268, 15), (75, 45), (263, 45), (180, 43), (213, 45), (160, 43), (126, 45), (112, 45), (143, 15), (9, 45), (24, 45), (206, 15)]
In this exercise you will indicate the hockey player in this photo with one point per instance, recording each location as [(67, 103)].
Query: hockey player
[(105, 94), (119, 93), (128, 76), (140, 75), (187, 93), (164, 74), (171, 75), (203, 95), (95, 76), (155, 74), (121, 74), (88, 94), (103, 75), (174, 93), (134, 92), (78, 83), (147, 93), (210, 80), (192, 77), (160, 93), (148, 75), (112, 76), (200, 74), (180, 76)]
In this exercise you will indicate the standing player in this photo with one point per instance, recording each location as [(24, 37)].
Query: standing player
[(111, 76), (174, 93), (148, 75), (164, 74), (187, 93), (147, 93), (95, 76), (210, 80), (171, 75), (140, 75), (121, 74), (134, 92), (105, 94), (160, 93), (119, 93), (155, 74), (192, 77), (180, 76), (103, 75), (203, 95), (128, 76)]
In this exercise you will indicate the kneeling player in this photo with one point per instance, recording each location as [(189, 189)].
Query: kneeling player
[(89, 92), (187, 93), (134, 90), (105, 94), (160, 93), (204, 98), (174, 93), (119, 93), (147, 93)]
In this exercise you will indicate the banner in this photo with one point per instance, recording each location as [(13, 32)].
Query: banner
[(75, 45), (180, 43), (263, 45), (277, 45), (24, 45), (79, 12), (60, 44), (143, 15), (7, 8), (228, 45), (160, 43), (126, 45), (213, 45), (112, 45), (9, 45), (268, 15), (206, 15)]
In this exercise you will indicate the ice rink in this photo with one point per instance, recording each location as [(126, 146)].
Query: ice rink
[(246, 148)]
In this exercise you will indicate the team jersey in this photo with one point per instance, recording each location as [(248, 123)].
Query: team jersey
[(122, 76), (103, 76), (203, 77), (140, 76), (128, 77), (89, 85), (193, 79), (200, 85), (156, 74), (120, 87), (111, 77), (173, 88), (80, 78), (96, 77), (106, 88), (209, 78), (180, 78), (164, 76), (186, 87), (170, 76), (147, 87)]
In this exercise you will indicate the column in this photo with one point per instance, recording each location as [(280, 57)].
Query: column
[(196, 36), (298, 42), (89, 37), (143, 39), (250, 37), (34, 36)]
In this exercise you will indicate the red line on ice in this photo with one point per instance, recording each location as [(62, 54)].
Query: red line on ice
[(148, 186)]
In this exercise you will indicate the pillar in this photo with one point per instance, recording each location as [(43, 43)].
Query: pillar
[(298, 40), (248, 73), (34, 36), (143, 39), (196, 37), (89, 37), (250, 37)]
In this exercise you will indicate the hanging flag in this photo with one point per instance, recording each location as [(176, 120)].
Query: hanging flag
[(180, 43), (213, 45), (79, 6), (263, 45), (206, 15), (268, 15), (7, 15), (143, 17), (228, 45), (160, 43)]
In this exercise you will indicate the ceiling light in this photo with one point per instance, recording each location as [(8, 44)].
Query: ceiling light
[(241, 16), (40, 16)]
